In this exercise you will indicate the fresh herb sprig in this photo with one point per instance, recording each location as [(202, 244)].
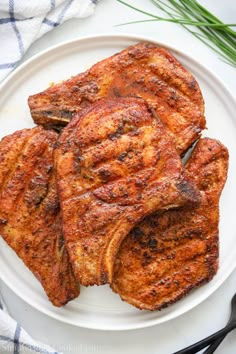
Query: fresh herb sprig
[(218, 35)]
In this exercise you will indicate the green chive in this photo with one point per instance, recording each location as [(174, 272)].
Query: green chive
[(216, 34)]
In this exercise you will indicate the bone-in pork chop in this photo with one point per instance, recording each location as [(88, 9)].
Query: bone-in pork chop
[(30, 220), (167, 255), (115, 164), (143, 70)]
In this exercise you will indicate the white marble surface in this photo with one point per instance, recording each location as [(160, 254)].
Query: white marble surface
[(213, 313)]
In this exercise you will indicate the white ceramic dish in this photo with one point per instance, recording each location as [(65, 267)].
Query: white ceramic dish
[(98, 307)]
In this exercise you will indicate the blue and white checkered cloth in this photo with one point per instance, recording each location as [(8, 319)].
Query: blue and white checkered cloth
[(24, 21), (21, 23), (15, 340)]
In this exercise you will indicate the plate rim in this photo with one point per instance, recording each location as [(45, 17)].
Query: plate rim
[(116, 35), (201, 67)]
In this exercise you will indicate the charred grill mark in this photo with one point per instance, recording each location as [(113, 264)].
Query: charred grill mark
[(30, 183), (37, 191), (156, 247), (104, 161), (121, 131), (176, 290), (174, 93), (174, 96), (118, 133), (109, 184), (174, 89), (133, 148), (172, 99), (134, 164), (50, 204), (124, 127), (175, 267), (122, 156)]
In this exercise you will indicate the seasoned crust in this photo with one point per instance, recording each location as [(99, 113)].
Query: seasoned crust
[(30, 219), (168, 255), (115, 164), (142, 70)]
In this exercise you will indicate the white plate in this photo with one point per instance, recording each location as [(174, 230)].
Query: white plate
[(98, 307)]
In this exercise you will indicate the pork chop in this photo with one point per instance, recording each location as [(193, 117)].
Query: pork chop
[(143, 70), (30, 220), (167, 255), (115, 164)]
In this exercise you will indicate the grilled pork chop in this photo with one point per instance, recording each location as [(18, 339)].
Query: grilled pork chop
[(115, 164), (30, 220), (167, 255), (143, 70)]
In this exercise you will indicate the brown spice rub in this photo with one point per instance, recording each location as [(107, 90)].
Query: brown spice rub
[(30, 220), (115, 164), (142, 70), (167, 255)]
